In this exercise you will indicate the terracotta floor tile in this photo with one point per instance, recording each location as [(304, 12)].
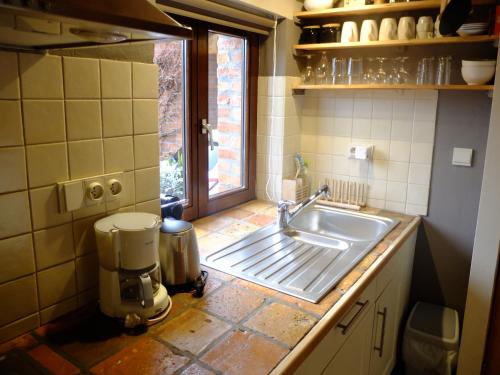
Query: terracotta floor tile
[(217, 274), (282, 323), (211, 223), (242, 353), (349, 280), (236, 213), (212, 284), (260, 220), (193, 331), (316, 308), (145, 357), (24, 342), (91, 341), (255, 287), (212, 242), (231, 302), (200, 232), (256, 206), (196, 369), (238, 229), (52, 361)]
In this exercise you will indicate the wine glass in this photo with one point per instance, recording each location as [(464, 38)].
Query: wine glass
[(307, 74), (369, 75), (323, 70), (380, 75)]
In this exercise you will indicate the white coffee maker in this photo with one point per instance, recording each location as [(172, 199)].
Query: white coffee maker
[(129, 268)]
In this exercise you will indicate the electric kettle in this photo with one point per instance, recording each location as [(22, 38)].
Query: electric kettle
[(180, 258)]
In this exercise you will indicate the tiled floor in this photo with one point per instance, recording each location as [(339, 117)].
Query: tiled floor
[(237, 327)]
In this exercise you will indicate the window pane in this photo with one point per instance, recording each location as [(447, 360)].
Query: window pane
[(170, 57), (226, 103)]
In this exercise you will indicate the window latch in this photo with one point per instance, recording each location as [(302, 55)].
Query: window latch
[(206, 128)]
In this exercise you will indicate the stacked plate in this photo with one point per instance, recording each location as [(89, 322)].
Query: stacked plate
[(476, 28)]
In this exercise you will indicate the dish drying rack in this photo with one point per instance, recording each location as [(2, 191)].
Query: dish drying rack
[(346, 194), (295, 190)]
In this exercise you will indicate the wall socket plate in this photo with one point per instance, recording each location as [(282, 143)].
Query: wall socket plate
[(89, 191)]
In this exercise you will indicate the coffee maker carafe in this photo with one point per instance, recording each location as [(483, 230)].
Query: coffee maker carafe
[(129, 267)]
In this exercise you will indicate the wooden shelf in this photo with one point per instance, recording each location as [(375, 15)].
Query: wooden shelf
[(369, 9), (300, 88), (397, 43), (379, 8)]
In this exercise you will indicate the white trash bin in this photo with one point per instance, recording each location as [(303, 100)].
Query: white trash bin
[(431, 338)]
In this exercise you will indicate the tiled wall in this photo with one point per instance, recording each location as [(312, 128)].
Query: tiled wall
[(322, 125), (400, 124), (63, 118), (278, 134)]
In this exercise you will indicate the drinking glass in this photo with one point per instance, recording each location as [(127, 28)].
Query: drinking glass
[(392, 71), (368, 75), (355, 70), (403, 75), (323, 70), (307, 74), (380, 75), (443, 71), (425, 71), (339, 70)]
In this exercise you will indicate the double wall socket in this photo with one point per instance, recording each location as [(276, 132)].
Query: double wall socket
[(89, 191)]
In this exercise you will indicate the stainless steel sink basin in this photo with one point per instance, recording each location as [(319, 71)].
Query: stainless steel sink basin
[(307, 258)]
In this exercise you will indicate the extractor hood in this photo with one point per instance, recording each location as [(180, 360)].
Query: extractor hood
[(48, 24)]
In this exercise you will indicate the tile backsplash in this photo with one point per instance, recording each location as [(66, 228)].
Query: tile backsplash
[(322, 125), (64, 118), (400, 124)]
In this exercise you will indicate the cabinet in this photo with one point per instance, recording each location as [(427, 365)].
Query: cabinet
[(365, 340)]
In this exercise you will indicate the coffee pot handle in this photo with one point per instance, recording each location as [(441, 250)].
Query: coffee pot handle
[(146, 290)]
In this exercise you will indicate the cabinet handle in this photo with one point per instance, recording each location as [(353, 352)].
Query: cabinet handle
[(346, 327), (380, 348)]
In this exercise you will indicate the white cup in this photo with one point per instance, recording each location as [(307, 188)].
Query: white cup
[(369, 31), (425, 27), (406, 28), (349, 32), (388, 29)]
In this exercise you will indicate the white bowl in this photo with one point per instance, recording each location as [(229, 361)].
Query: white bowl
[(318, 4), (477, 75), (479, 62), (471, 32)]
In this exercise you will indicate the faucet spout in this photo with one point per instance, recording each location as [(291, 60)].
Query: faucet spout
[(285, 215)]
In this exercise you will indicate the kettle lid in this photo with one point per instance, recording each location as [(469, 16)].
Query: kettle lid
[(128, 221), (173, 226)]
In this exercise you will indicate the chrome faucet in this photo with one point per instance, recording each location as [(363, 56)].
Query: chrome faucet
[(285, 215)]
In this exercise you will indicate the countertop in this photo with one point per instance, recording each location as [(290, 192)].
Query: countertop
[(237, 327)]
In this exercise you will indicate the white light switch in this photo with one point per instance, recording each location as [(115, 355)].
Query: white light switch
[(462, 156)]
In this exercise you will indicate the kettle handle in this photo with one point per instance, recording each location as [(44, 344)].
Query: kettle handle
[(146, 291)]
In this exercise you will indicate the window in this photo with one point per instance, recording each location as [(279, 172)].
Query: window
[(207, 125)]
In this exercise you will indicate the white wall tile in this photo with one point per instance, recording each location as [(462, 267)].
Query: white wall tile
[(144, 80), (382, 108), (362, 108), (41, 76), (423, 131), (421, 153), (394, 206), (415, 209), (425, 110), (117, 118), (15, 217), (382, 148), (83, 119), (325, 145), (116, 79), (147, 184), (9, 77), (344, 107), (323, 163), (47, 164), (81, 78), (403, 110), (146, 150), (53, 246), (17, 256), (419, 174), (45, 208), (401, 130), (340, 145), (340, 165), (57, 283), (381, 129), (44, 121), (361, 128), (418, 194), (13, 165), (396, 191), (118, 154), (378, 169), (399, 151), (377, 189), (11, 131), (398, 171), (85, 158)]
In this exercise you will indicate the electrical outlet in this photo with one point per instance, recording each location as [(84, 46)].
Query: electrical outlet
[(113, 185), (94, 191)]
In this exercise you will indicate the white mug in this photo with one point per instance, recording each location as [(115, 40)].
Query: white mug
[(388, 29), (406, 28), (349, 32), (425, 27), (369, 31)]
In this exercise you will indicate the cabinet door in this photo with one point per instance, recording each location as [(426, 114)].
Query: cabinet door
[(385, 325), (354, 356)]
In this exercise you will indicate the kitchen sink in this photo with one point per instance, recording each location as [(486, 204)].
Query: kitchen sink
[(309, 256)]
